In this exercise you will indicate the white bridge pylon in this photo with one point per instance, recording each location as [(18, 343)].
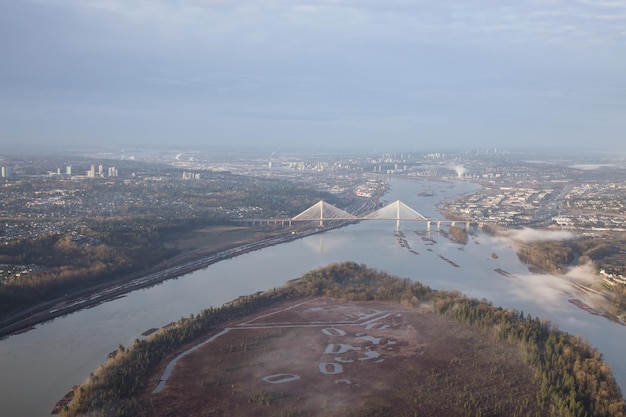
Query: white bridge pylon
[(397, 211), (323, 211)]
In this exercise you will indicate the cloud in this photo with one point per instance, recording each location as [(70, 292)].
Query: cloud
[(533, 235), (463, 21), (547, 290), (451, 72), (551, 290), (582, 274)]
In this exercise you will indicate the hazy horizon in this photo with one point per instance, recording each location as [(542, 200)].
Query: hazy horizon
[(319, 74)]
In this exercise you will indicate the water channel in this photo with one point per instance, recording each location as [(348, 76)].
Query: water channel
[(38, 367)]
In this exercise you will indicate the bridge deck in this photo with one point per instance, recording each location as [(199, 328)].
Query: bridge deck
[(324, 212)]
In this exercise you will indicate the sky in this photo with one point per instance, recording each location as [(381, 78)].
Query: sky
[(324, 74)]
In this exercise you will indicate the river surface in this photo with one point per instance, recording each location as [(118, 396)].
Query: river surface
[(38, 367)]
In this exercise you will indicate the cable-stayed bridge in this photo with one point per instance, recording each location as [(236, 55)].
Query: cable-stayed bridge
[(324, 212)]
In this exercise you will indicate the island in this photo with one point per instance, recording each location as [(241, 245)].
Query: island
[(347, 340)]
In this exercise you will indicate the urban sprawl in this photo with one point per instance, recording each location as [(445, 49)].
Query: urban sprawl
[(55, 195)]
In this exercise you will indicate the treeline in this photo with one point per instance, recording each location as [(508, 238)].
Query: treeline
[(459, 234), (573, 378), (596, 250), (113, 390), (349, 281), (67, 267), (554, 255), (551, 256), (116, 248)]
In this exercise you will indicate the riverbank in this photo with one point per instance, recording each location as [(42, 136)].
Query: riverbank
[(175, 267), (41, 365), (404, 327)]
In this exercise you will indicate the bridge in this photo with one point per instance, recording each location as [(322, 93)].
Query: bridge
[(322, 212)]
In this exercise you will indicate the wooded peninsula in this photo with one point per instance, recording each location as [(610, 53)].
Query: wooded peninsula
[(567, 376)]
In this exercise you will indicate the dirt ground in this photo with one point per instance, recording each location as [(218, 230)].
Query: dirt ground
[(327, 358), (214, 237)]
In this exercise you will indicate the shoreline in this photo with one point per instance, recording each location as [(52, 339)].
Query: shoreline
[(26, 320)]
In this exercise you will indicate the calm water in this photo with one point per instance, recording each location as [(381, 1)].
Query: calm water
[(38, 367)]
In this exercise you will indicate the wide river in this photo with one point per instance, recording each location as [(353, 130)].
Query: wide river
[(38, 367)]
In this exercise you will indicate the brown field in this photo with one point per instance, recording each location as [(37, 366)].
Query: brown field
[(328, 358), (214, 238), (194, 244)]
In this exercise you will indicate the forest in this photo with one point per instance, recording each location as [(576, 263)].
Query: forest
[(115, 249), (574, 380), (459, 234), (556, 255)]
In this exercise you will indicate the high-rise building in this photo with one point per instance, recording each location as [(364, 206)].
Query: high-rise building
[(6, 172), (92, 172), (68, 170)]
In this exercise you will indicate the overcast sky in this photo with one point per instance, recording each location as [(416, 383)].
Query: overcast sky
[(384, 74)]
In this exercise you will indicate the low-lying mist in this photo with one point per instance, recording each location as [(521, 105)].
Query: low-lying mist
[(548, 288), (535, 235)]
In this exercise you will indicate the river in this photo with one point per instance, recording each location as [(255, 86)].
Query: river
[(38, 367)]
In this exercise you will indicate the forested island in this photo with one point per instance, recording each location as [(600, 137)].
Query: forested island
[(565, 376)]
